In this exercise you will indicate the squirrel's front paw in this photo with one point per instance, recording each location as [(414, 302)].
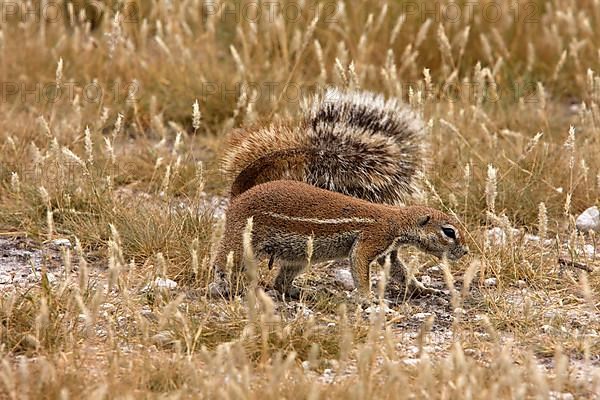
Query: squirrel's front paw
[(365, 300), (417, 289), (218, 289)]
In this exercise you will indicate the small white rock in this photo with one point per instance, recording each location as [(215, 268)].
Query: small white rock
[(550, 314), (58, 243), (434, 270), (164, 283), (490, 282), (107, 307), (589, 220), (51, 277), (421, 316), (426, 280), (376, 309), (412, 349), (534, 239), (4, 279), (344, 278), (521, 284), (496, 236), (589, 250), (547, 329), (459, 311), (160, 283), (560, 396), (412, 362)]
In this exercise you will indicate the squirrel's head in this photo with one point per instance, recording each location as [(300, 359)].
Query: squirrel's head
[(437, 233)]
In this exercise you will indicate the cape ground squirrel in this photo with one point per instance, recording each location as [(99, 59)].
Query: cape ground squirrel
[(336, 179)]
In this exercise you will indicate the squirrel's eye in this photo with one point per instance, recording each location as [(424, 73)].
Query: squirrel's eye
[(449, 232)]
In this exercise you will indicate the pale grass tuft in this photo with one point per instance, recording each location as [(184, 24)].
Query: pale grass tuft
[(59, 72), (396, 29), (73, 157), (196, 115), (118, 126), (108, 147), (89, 145), (166, 181), (309, 250), (469, 275), (531, 145), (444, 45), (491, 189), (44, 123), (321, 61), (422, 33), (559, 65), (541, 96), (542, 221), (49, 224), (15, 182)]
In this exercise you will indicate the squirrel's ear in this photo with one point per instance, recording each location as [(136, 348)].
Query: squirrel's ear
[(423, 220)]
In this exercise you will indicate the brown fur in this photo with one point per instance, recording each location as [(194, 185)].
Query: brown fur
[(355, 143), (287, 213)]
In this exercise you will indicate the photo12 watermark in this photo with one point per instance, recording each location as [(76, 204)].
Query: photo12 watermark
[(269, 11), (467, 11), (61, 11), (87, 92)]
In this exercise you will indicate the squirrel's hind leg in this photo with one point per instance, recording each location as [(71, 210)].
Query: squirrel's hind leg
[(228, 268), (287, 273)]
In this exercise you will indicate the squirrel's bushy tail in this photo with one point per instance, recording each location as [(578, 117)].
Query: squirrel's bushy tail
[(356, 143)]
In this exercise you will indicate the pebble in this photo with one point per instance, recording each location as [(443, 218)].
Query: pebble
[(436, 269), (426, 280), (547, 328), (160, 283), (4, 279), (107, 307), (496, 236), (328, 376), (164, 283), (412, 362), (589, 250), (376, 309), (521, 284), (422, 316), (560, 396), (58, 243), (460, 311), (163, 338), (343, 277), (36, 277), (529, 238), (589, 220), (490, 282)]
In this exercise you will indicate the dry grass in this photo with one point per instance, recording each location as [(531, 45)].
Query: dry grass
[(129, 177)]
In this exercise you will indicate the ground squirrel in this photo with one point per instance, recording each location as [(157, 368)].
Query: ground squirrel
[(336, 178)]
